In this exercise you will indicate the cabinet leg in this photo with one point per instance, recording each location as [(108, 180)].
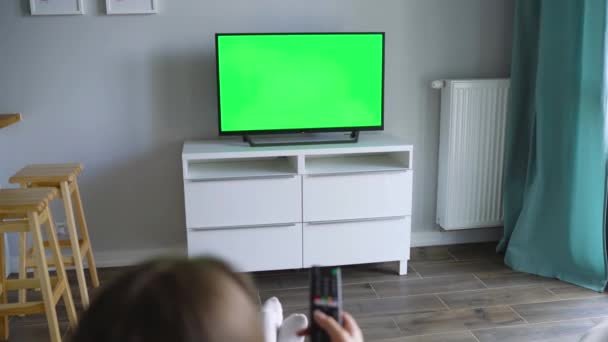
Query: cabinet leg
[(403, 267)]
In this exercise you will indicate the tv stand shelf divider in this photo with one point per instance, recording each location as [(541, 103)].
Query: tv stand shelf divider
[(285, 207)]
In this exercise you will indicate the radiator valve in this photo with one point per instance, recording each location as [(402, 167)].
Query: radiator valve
[(439, 84)]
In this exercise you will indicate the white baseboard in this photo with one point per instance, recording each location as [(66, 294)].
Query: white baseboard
[(119, 258), (441, 237)]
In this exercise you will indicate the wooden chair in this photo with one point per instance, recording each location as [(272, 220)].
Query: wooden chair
[(25, 211), (64, 178)]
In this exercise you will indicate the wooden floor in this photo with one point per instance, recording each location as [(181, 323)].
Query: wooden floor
[(460, 293)]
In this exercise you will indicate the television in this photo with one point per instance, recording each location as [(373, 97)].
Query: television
[(300, 82)]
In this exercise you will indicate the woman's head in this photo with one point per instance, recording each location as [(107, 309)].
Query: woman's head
[(174, 300)]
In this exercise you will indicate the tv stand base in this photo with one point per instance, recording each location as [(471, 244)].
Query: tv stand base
[(302, 139), (402, 267)]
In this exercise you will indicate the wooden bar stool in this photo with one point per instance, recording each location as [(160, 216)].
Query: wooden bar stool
[(25, 211), (64, 178)]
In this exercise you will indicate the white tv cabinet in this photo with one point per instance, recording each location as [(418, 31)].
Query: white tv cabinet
[(285, 207)]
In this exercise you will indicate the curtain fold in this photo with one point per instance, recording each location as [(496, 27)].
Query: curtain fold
[(555, 157)]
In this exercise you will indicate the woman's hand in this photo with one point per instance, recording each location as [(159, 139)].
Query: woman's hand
[(349, 333)]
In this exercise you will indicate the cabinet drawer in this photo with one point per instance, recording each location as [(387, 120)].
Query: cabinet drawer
[(355, 242), (250, 249), (240, 202), (352, 196)]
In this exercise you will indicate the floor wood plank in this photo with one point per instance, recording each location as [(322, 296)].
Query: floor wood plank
[(431, 254), (299, 297), (378, 328), (568, 331), (265, 282), (459, 336), (502, 296), (457, 320), (394, 306), (567, 291), (563, 310), (512, 278), (427, 285), (477, 287), (350, 275), (33, 333), (459, 267), (375, 272), (475, 251)]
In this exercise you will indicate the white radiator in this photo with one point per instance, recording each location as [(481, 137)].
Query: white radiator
[(471, 151)]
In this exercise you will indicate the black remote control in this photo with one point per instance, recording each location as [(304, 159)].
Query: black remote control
[(325, 296)]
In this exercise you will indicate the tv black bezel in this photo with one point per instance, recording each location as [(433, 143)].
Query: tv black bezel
[(296, 130)]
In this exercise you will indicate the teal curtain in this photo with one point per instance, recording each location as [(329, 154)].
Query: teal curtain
[(555, 157)]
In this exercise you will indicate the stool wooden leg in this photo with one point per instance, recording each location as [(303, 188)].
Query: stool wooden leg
[(60, 269), (84, 233), (75, 244), (22, 261), (45, 281), (4, 328)]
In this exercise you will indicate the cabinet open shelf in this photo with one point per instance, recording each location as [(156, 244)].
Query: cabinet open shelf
[(356, 163), (240, 169)]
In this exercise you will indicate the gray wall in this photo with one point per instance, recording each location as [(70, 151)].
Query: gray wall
[(121, 93)]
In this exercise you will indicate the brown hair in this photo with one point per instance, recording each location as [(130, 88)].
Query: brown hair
[(201, 300)]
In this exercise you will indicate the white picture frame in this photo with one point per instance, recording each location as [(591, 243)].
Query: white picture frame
[(131, 7), (56, 7)]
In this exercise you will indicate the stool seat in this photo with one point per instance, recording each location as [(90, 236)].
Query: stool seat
[(20, 201), (47, 173)]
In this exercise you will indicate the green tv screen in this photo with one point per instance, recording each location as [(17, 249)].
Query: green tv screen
[(300, 82)]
